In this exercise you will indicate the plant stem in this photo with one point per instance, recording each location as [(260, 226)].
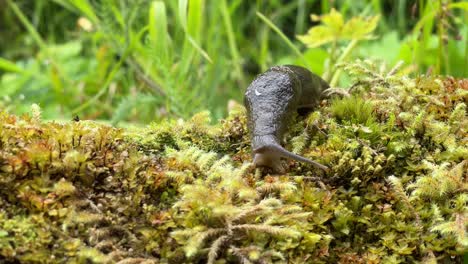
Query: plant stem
[(331, 61), (283, 37), (232, 43), (341, 59)]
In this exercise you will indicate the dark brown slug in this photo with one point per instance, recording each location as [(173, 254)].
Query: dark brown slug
[(271, 101)]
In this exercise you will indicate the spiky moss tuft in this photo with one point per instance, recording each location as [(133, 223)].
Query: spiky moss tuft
[(352, 109), (184, 191)]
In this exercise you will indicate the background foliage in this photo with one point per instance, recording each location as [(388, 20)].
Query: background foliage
[(122, 60)]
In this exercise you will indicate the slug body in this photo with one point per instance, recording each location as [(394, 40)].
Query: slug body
[(271, 101)]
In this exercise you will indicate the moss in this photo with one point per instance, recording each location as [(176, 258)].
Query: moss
[(352, 109), (184, 191)]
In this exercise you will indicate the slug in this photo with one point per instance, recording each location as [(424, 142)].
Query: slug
[(271, 101)]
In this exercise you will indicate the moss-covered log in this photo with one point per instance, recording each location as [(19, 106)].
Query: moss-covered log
[(184, 191)]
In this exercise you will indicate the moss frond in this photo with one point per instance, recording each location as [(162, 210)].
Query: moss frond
[(269, 229), (215, 248), (457, 227), (440, 181)]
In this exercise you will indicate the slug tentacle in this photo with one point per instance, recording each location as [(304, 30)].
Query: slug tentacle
[(280, 151)]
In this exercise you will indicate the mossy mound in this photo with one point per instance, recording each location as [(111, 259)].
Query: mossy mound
[(184, 192)]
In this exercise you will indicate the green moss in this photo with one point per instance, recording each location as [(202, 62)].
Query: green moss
[(184, 191), (352, 109)]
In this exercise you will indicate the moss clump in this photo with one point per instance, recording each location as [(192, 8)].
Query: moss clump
[(184, 191), (352, 109)]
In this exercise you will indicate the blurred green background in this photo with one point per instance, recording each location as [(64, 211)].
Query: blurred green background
[(140, 60)]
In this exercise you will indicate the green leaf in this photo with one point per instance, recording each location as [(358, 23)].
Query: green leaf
[(317, 36), (359, 28), (66, 50), (9, 66), (10, 83), (386, 48), (334, 29), (316, 60), (333, 21), (461, 5)]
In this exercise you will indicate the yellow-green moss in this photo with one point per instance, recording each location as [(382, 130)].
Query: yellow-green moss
[(184, 192)]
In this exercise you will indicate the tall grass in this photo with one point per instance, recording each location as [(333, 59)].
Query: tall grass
[(147, 59)]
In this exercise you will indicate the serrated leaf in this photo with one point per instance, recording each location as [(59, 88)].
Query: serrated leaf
[(334, 29), (359, 28)]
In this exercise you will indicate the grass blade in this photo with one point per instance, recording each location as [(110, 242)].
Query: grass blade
[(199, 49), (192, 22), (283, 37), (182, 9), (195, 19), (232, 42), (29, 27), (461, 5), (9, 66), (158, 33), (86, 8)]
